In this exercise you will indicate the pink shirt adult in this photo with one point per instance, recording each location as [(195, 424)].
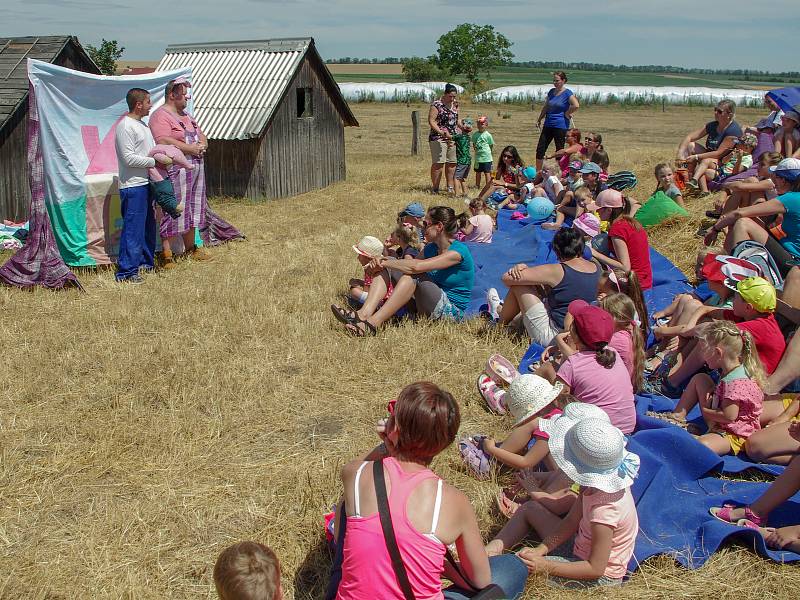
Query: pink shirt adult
[(618, 511), (162, 126), (482, 229), (610, 389), (638, 249)]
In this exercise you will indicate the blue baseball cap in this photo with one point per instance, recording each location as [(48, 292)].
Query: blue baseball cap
[(788, 169), (590, 167), (529, 173), (415, 209)]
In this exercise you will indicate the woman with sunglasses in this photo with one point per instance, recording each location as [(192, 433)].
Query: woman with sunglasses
[(556, 113), (508, 178), (720, 135), (440, 283), (427, 514)]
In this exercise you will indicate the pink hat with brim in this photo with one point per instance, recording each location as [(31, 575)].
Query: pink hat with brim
[(588, 224), (610, 199)]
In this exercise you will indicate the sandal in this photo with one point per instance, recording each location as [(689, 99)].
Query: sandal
[(500, 369), (344, 315), (356, 330), (493, 395), (506, 505), (475, 458), (723, 514)]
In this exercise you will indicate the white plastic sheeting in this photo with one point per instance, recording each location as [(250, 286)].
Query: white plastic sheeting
[(630, 93), (393, 92)]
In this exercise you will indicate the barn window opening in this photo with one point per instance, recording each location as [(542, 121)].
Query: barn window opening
[(305, 105)]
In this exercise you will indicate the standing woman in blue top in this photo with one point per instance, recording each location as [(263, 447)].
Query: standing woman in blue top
[(440, 283), (557, 112)]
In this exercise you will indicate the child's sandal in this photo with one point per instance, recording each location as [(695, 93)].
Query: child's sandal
[(476, 459), (723, 514), (500, 369), (493, 395)]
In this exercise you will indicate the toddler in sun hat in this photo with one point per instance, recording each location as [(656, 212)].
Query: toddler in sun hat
[(368, 249), (528, 399), (592, 453)]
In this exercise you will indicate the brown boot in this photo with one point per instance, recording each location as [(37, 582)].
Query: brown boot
[(167, 260), (199, 254)]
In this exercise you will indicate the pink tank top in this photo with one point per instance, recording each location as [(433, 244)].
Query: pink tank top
[(367, 571)]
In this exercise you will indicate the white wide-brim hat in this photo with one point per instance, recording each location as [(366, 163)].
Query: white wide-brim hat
[(528, 394), (574, 411), (592, 453)]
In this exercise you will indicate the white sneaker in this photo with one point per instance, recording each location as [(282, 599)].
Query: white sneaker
[(493, 300)]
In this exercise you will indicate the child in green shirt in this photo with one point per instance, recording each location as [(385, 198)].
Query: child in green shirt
[(463, 158), (484, 163)]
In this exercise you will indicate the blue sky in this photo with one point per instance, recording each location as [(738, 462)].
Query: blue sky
[(691, 33)]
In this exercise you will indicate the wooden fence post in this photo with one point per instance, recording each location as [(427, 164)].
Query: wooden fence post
[(414, 132)]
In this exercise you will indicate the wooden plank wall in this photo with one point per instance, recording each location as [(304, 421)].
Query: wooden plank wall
[(292, 157), (15, 192)]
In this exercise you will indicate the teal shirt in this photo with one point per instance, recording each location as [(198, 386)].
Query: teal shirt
[(455, 281), (483, 143), (738, 373), (791, 222), (463, 155)]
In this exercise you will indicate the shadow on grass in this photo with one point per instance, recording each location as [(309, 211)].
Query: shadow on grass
[(311, 578)]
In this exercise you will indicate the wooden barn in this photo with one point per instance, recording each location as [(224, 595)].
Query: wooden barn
[(272, 112), (65, 51)]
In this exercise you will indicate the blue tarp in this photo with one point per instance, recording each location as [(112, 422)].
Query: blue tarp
[(677, 483)]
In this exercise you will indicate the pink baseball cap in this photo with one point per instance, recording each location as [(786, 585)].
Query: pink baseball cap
[(609, 199)]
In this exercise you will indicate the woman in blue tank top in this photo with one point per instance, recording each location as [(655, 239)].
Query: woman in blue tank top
[(572, 278)]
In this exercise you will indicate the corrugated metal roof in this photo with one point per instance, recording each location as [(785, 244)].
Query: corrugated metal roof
[(238, 85)]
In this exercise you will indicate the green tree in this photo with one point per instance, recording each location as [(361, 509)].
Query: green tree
[(106, 56), (473, 49), (421, 69)]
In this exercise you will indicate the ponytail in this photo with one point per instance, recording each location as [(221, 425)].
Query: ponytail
[(750, 360), (736, 342), (463, 220), (605, 357), (447, 217), (623, 212)]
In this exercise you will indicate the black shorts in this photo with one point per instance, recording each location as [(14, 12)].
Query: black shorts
[(484, 167), (547, 135)]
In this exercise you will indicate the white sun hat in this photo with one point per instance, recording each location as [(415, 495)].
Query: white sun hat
[(592, 453), (369, 246), (574, 411), (528, 394)]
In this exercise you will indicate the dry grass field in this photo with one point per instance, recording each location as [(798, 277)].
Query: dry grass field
[(145, 428)]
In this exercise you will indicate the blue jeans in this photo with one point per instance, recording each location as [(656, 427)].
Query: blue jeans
[(508, 571), (137, 246)]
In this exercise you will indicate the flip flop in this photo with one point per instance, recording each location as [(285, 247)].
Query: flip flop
[(506, 505), (344, 315), (475, 458), (500, 369)]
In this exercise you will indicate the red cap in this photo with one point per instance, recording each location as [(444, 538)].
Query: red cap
[(594, 325), (712, 269)]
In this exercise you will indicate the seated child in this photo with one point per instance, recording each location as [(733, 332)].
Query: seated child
[(732, 407), (665, 203), (740, 159), (403, 242), (627, 339), (589, 226), (551, 488), (573, 180), (751, 190), (591, 369), (480, 226), (603, 519), (600, 158), (373, 290), (160, 184), (571, 204), (551, 184), (248, 571), (529, 397), (753, 306)]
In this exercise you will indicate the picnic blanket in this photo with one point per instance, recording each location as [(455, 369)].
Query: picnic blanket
[(679, 478)]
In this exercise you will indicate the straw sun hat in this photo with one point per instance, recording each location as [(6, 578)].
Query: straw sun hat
[(369, 246), (528, 394), (592, 453)]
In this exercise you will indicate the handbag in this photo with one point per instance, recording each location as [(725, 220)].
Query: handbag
[(491, 592)]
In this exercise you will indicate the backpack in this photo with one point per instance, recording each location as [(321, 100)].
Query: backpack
[(757, 254)]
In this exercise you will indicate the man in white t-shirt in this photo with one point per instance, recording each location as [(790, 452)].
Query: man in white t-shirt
[(133, 141)]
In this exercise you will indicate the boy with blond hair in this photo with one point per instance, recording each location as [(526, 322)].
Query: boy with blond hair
[(248, 571)]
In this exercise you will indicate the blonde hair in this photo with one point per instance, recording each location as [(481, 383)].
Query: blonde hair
[(583, 193), (551, 166), (735, 343), (407, 235), (247, 571), (622, 308)]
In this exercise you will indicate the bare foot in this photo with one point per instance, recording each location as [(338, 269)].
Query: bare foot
[(494, 548), (506, 505)]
